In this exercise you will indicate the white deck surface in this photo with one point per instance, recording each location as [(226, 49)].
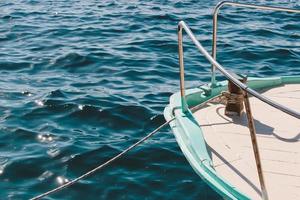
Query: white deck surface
[(278, 136)]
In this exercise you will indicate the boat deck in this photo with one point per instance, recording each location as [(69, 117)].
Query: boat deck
[(278, 135)]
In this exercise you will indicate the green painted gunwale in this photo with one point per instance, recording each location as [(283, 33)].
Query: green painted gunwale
[(189, 135)]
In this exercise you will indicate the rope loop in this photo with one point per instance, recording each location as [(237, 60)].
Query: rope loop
[(232, 98)]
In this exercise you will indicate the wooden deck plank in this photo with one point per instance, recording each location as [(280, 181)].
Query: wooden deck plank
[(278, 134)]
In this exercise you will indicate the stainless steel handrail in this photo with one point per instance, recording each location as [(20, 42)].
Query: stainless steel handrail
[(183, 25), (244, 5)]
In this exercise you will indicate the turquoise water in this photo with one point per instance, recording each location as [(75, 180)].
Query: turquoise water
[(82, 80)]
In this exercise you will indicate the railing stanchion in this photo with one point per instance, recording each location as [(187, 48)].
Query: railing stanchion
[(214, 47), (252, 130), (181, 70)]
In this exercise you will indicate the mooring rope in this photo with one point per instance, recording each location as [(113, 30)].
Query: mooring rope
[(233, 98), (67, 184)]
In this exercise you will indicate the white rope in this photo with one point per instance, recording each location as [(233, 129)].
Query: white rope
[(67, 184)]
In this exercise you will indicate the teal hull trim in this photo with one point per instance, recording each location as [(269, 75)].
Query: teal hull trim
[(189, 135)]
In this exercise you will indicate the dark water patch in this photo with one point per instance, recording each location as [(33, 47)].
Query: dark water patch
[(46, 46), (73, 61), (58, 106), (161, 96), (24, 135), (154, 43), (17, 66), (25, 28), (89, 83), (293, 27), (283, 54), (265, 32), (133, 113), (116, 118), (133, 74), (57, 32), (57, 94), (81, 160), (229, 19), (6, 18), (23, 169)]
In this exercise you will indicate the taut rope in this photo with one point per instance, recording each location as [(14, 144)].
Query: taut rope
[(67, 184)]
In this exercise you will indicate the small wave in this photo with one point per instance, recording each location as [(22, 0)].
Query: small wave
[(14, 66), (23, 169), (84, 160), (57, 94), (73, 61), (265, 33)]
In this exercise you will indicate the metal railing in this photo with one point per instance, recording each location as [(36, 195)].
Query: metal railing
[(246, 90), (244, 5), (182, 25)]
